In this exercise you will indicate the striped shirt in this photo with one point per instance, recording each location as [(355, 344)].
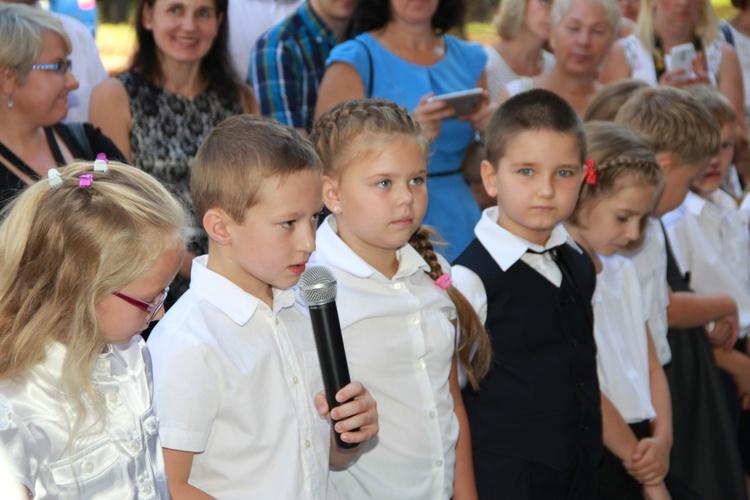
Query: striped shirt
[(287, 64)]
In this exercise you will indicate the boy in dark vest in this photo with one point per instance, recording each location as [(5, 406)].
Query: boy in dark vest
[(536, 417)]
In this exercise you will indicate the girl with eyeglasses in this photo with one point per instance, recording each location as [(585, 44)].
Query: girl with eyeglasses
[(85, 260), (35, 81)]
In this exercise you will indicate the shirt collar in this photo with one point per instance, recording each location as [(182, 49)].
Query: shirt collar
[(506, 248), (229, 298), (694, 203), (315, 24), (329, 244)]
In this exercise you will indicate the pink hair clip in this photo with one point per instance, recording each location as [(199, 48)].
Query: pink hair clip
[(444, 281), (85, 180), (592, 176), (100, 164)]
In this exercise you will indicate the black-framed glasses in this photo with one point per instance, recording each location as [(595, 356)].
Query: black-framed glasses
[(151, 308), (60, 67)]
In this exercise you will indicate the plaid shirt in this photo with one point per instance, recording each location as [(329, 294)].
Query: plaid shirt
[(287, 64)]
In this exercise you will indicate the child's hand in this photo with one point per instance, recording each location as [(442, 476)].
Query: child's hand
[(723, 332), (431, 115), (361, 412), (650, 461), (656, 492)]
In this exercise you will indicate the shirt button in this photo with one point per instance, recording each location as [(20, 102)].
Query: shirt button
[(101, 364), (277, 321), (583, 427), (147, 489), (112, 397), (397, 286), (307, 443), (439, 463), (415, 321), (421, 365), (295, 380), (88, 467), (319, 39), (432, 414), (134, 447)]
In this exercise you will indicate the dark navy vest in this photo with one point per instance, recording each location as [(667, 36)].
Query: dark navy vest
[(540, 401)]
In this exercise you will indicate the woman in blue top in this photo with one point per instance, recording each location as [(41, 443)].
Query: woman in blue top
[(404, 55)]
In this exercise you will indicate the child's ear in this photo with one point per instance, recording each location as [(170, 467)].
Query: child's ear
[(665, 161), (331, 194), (215, 223), (489, 178)]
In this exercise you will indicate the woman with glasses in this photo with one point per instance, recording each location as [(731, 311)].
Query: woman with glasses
[(665, 24), (35, 80), (582, 34), (523, 26)]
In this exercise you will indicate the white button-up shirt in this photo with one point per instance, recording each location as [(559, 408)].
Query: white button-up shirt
[(399, 343), (621, 339), (711, 242), (118, 457), (235, 383), (650, 260), (506, 249)]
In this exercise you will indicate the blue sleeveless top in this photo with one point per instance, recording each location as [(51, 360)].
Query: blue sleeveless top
[(452, 209)]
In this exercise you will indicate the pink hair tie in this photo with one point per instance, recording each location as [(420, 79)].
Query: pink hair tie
[(444, 281), (85, 180)]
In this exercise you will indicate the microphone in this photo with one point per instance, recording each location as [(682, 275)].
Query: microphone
[(318, 287)]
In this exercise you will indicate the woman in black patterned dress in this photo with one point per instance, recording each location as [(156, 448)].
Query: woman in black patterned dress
[(180, 85)]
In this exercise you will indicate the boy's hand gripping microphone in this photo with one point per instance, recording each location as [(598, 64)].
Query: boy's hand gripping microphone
[(318, 287)]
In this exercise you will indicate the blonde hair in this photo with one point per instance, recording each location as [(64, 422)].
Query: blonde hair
[(706, 28), (715, 102), (63, 250), (672, 121), (355, 129), (510, 17), (238, 155), (560, 9), (610, 98), (22, 31)]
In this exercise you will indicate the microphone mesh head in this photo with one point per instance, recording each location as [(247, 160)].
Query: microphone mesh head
[(318, 285)]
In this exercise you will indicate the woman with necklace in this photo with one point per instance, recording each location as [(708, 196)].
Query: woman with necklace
[(35, 80), (665, 24)]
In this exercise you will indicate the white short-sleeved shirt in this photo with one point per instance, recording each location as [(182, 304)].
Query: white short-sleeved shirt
[(234, 383), (87, 68), (650, 260), (399, 343), (506, 249), (120, 457), (621, 339), (711, 243)]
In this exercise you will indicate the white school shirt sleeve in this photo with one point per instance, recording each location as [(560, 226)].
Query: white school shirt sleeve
[(470, 285), (186, 394)]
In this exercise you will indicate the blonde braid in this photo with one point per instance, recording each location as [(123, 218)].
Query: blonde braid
[(472, 332)]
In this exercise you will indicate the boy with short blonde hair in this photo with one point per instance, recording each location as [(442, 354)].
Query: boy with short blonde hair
[(235, 367)]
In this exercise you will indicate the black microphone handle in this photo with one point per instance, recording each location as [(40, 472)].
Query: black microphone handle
[(332, 357)]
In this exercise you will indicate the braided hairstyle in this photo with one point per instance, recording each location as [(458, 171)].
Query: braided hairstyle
[(355, 129), (621, 158)]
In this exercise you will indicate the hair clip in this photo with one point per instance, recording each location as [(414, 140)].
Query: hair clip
[(85, 180), (53, 177), (592, 176), (444, 281), (100, 164)]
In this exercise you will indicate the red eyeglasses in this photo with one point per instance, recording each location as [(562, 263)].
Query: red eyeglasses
[(150, 308)]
